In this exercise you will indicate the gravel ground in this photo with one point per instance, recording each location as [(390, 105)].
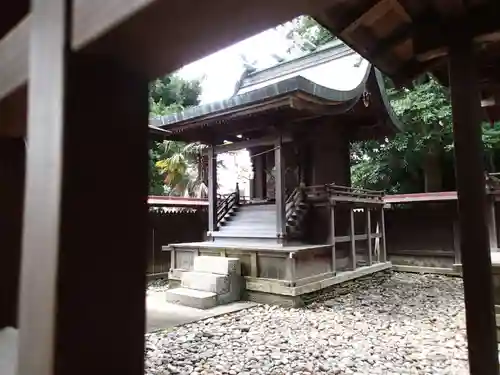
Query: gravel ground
[(157, 285), (393, 324)]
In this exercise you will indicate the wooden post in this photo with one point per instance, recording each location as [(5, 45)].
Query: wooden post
[(290, 268), (83, 108), (280, 189), (352, 233), (383, 244), (369, 235), (474, 241), (212, 191), (492, 224), (259, 177), (332, 236), (456, 242), (12, 160), (254, 267)]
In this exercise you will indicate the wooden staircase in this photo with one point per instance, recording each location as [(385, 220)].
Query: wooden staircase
[(256, 223)]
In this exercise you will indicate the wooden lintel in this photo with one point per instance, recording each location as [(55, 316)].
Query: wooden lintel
[(127, 31), (264, 141), (380, 9), (450, 8)]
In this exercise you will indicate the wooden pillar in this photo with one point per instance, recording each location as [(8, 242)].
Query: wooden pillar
[(352, 234), (383, 243), (492, 224), (269, 162), (369, 234), (83, 262), (258, 162), (212, 190), (290, 269), (12, 160), (474, 239), (456, 242), (332, 236), (279, 163)]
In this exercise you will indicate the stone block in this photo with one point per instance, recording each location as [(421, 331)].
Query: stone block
[(192, 298), (208, 282), (218, 265)]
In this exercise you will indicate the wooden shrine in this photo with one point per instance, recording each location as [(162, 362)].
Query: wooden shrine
[(302, 226)]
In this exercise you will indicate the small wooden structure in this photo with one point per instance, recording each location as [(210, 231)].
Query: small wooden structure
[(298, 231), (423, 232)]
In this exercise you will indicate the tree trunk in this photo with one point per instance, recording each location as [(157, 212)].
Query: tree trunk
[(433, 174)]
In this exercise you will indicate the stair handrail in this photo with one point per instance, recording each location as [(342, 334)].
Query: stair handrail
[(225, 205), (292, 201)]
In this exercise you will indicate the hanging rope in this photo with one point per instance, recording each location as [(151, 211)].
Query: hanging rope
[(264, 152)]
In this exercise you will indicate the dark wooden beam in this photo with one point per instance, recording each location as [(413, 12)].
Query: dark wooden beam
[(474, 239), (66, 225), (12, 166), (450, 8), (431, 38), (127, 30)]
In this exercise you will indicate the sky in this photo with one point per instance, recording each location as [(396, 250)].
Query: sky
[(220, 72), (222, 69)]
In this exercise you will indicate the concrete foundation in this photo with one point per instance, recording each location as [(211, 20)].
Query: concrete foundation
[(276, 274)]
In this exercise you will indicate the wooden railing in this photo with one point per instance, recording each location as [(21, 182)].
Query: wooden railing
[(226, 202), (295, 197), (343, 193)]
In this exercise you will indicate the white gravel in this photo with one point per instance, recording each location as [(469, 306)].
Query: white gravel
[(157, 285), (401, 324)]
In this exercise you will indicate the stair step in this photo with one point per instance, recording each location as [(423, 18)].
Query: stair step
[(245, 240), (254, 226), (191, 298), (217, 265), (207, 282), (244, 235), (252, 219), (257, 208)]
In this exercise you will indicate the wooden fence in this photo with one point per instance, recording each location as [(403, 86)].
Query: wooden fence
[(172, 226)]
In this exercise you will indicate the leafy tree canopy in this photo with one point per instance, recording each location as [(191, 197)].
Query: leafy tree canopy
[(173, 168)]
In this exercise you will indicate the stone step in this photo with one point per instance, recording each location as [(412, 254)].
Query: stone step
[(249, 228), (217, 265), (207, 282), (254, 216), (245, 234), (191, 298), (250, 221), (259, 208), (248, 241)]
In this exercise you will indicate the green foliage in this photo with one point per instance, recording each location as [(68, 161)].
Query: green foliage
[(307, 34), (411, 160), (173, 90), (173, 168), (180, 164), (421, 157)]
